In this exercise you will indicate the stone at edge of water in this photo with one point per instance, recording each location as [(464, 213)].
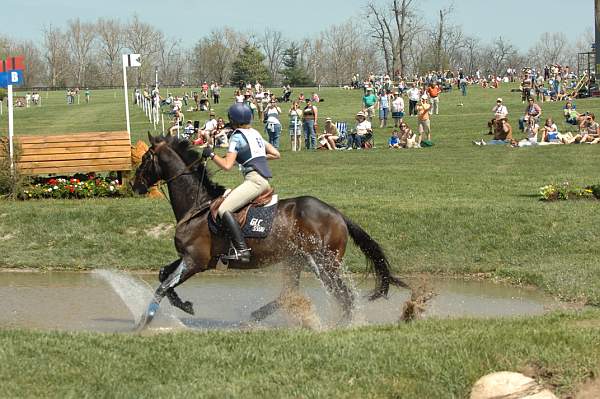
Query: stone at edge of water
[(509, 384)]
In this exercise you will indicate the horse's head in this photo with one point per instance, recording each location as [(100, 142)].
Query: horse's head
[(149, 172)]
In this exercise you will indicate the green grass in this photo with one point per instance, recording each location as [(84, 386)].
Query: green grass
[(453, 208), (428, 359)]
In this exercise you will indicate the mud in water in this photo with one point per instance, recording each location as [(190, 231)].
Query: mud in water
[(108, 301)]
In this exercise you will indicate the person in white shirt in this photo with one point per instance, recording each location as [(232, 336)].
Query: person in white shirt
[(361, 133), (500, 114), (397, 109), (414, 95), (209, 128)]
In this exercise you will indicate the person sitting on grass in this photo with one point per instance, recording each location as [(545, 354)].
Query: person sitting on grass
[(330, 135), (572, 117), (589, 131), (532, 110), (394, 140), (500, 112), (407, 138), (550, 132), (502, 134), (531, 131), (177, 123)]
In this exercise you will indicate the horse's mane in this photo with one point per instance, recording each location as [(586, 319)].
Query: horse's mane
[(190, 156)]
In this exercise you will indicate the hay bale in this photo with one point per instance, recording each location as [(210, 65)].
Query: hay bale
[(137, 152), (509, 385)]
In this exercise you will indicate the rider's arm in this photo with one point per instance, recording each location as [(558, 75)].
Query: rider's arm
[(272, 152), (226, 162)]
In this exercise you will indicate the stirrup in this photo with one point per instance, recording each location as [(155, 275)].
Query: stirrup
[(241, 255)]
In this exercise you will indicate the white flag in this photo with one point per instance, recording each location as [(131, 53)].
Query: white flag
[(132, 60)]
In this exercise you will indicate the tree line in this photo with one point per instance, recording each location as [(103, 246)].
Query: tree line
[(394, 38)]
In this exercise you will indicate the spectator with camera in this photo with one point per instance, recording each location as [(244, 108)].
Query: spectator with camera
[(532, 110)]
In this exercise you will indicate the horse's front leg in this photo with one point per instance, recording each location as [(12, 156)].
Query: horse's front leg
[(174, 299), (180, 273)]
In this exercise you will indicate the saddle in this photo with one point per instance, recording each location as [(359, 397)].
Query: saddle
[(261, 205)]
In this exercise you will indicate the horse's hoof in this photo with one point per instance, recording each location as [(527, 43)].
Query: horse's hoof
[(188, 307)]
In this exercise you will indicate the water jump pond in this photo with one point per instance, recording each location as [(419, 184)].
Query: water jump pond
[(109, 301)]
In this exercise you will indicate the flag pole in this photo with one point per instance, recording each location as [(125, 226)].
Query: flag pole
[(11, 128), (126, 96)]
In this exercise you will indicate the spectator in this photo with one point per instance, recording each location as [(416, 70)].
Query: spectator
[(220, 134), (550, 132), (361, 133), (500, 113), (394, 140), (397, 109), (407, 138), (589, 130), (295, 127), (572, 117), (188, 130), (414, 94), (177, 123), (532, 110), (531, 131), (315, 98), (369, 102), (309, 120), (384, 107), (463, 87), (273, 125), (216, 93), (423, 110), (433, 91), (502, 134), (88, 95), (330, 135), (207, 131)]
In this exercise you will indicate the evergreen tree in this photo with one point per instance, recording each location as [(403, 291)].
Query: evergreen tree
[(293, 73), (249, 67)]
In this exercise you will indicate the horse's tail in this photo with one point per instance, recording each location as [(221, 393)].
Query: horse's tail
[(376, 260)]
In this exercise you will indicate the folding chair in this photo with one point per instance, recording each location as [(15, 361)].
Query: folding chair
[(342, 128)]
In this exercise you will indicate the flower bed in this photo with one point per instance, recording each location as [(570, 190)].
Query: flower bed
[(78, 186), (564, 191)]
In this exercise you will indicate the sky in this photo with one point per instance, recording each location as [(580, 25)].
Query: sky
[(519, 21)]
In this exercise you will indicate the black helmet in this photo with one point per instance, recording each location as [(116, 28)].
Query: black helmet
[(240, 114)]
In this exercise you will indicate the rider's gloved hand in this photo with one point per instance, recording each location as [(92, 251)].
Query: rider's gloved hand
[(208, 152)]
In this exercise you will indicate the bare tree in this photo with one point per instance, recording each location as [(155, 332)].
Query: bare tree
[(141, 38), (213, 55), (56, 54), (171, 60), (498, 56), (439, 42), (407, 27), (110, 43), (272, 44), (80, 38), (551, 48)]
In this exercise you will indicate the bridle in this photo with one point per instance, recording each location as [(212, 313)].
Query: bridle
[(187, 170)]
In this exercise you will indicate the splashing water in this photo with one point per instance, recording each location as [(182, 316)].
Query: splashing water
[(136, 294)]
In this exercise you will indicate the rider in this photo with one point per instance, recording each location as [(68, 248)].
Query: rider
[(250, 151)]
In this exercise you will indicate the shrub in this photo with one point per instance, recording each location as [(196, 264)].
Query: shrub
[(11, 183)]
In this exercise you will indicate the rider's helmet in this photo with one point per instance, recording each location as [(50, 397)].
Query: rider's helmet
[(239, 114)]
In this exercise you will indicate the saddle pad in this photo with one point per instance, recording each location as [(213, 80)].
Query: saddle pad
[(259, 222)]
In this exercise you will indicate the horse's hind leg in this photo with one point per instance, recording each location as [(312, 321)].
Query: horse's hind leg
[(328, 270), (291, 282)]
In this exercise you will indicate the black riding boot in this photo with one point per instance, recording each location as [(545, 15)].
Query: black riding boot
[(239, 251)]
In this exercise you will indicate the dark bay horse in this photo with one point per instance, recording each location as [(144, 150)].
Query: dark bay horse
[(306, 231)]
